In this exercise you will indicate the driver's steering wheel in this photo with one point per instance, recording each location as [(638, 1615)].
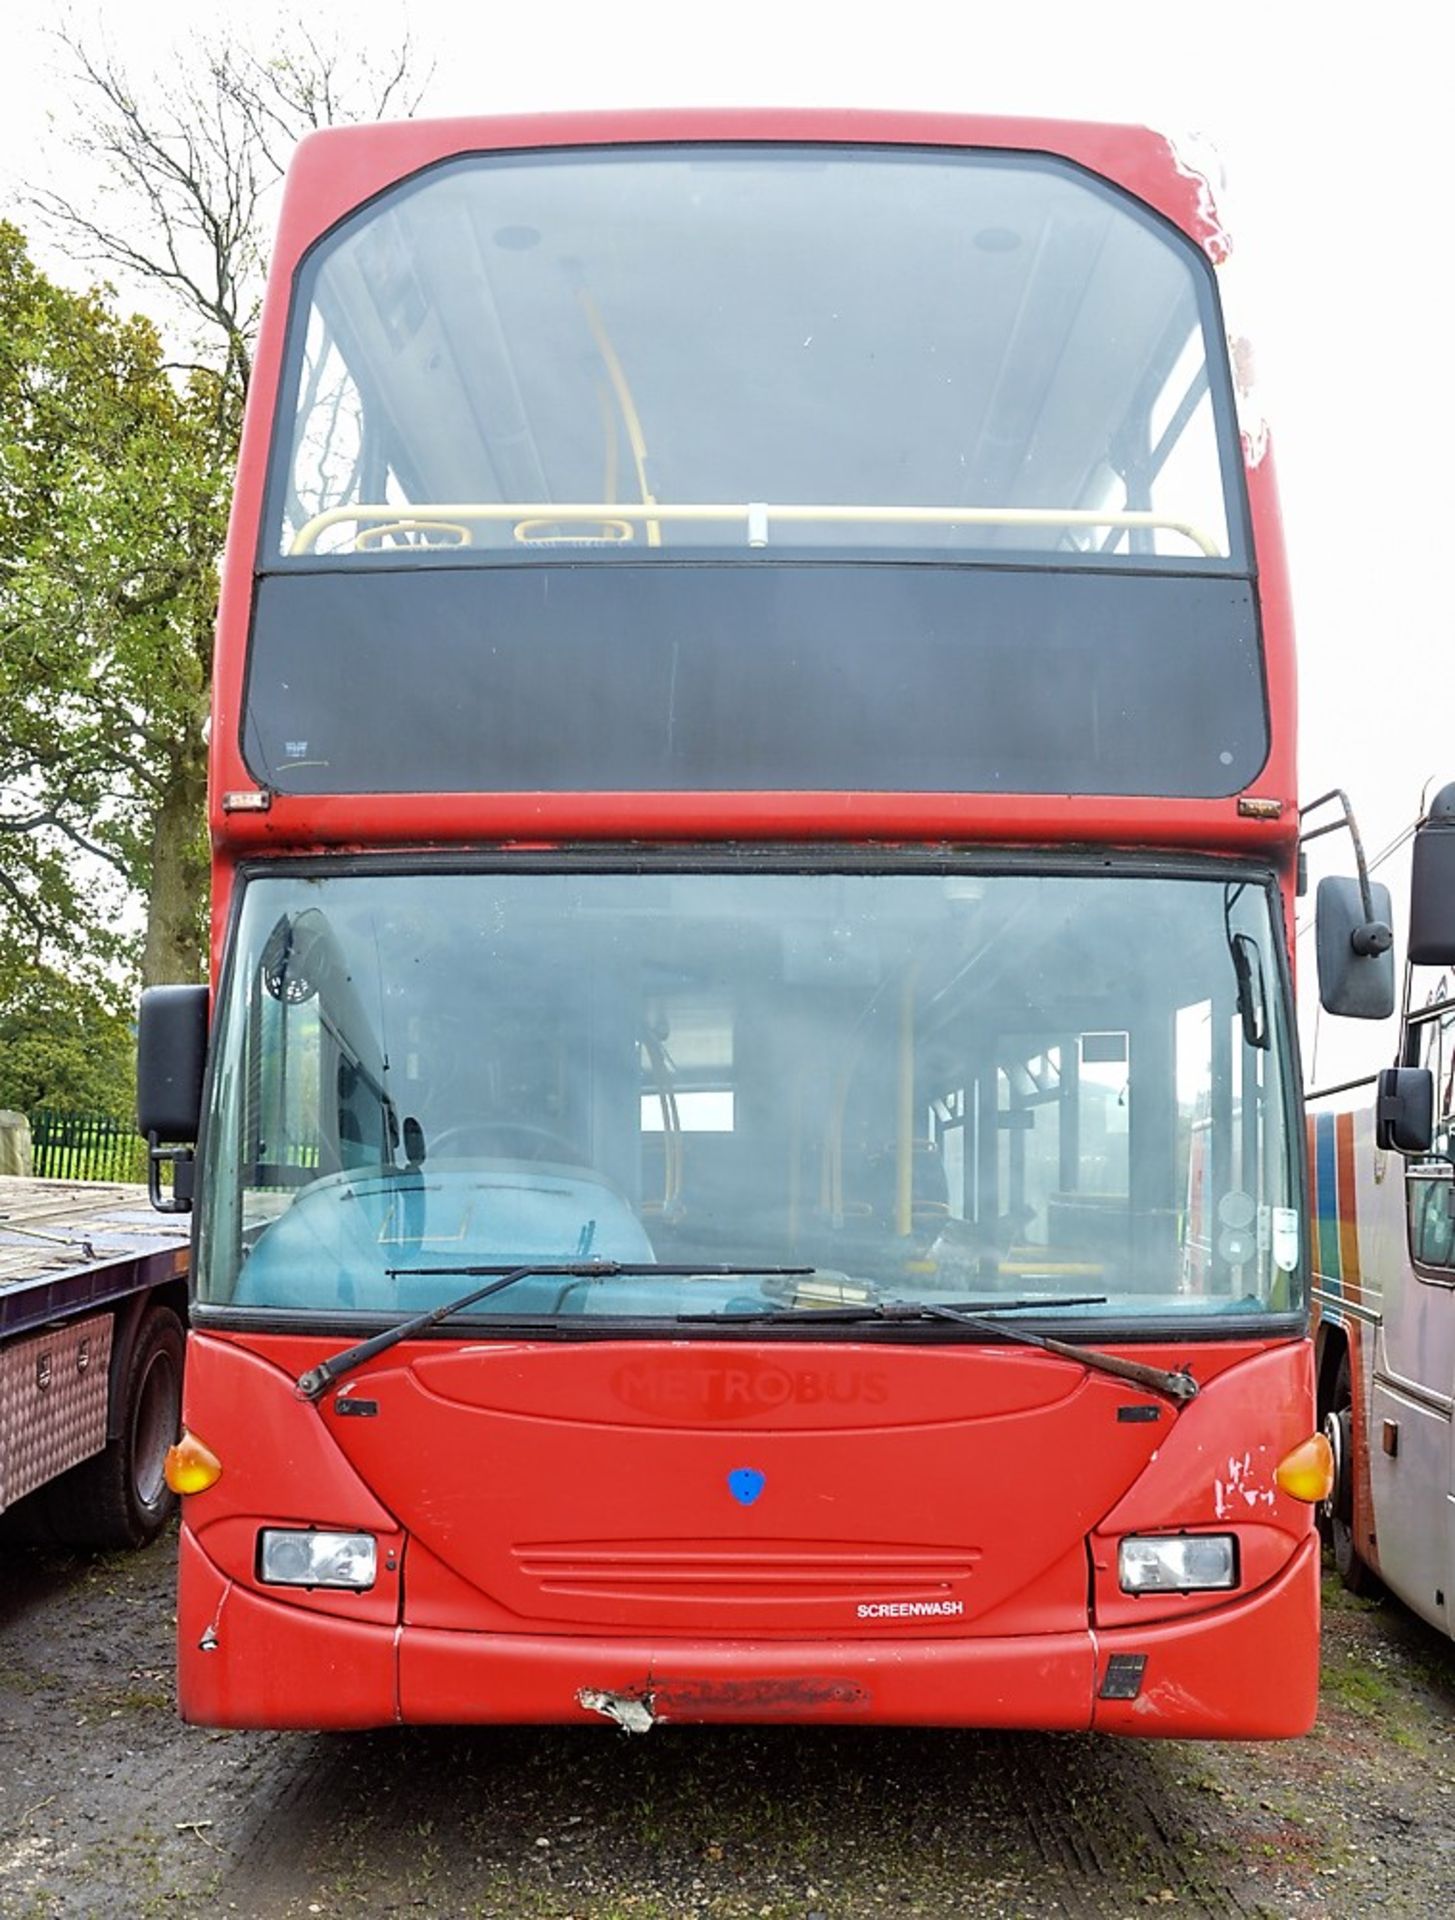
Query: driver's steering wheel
[(536, 1141)]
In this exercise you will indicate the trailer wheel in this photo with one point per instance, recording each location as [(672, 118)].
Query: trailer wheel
[(120, 1497), (1336, 1514)]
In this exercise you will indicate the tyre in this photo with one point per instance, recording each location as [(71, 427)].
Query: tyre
[(1336, 1515), (120, 1497)]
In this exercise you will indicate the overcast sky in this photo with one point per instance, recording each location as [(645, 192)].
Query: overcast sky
[(1334, 128)]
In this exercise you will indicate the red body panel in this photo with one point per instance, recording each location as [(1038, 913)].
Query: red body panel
[(1219, 1472), (921, 1549), (627, 1523), (1245, 1671), (252, 1661)]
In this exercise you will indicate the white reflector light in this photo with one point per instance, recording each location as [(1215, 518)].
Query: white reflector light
[(298, 1559), (1178, 1563)]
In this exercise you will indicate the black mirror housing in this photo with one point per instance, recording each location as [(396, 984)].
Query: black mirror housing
[(171, 1056), (1404, 1110), (1355, 950), (1432, 885)]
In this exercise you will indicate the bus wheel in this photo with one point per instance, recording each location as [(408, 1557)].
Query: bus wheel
[(119, 1497), (1336, 1514)]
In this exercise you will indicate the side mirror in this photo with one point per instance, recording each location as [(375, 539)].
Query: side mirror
[(1355, 950), (1432, 885), (171, 1057), (1404, 1110)]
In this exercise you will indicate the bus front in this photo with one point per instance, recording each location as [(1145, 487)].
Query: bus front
[(750, 1166)]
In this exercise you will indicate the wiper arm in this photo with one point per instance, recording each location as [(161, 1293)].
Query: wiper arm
[(981, 1317), (1180, 1387), (313, 1384)]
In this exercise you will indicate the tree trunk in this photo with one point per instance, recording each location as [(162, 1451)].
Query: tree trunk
[(176, 944)]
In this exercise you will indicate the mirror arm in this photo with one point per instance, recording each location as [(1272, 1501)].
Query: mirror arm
[(181, 1159), (1375, 936)]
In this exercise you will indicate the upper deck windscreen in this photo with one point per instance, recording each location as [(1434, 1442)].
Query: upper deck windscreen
[(654, 351), (778, 468)]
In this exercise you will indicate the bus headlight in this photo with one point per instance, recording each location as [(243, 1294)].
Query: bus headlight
[(1178, 1563), (296, 1558)]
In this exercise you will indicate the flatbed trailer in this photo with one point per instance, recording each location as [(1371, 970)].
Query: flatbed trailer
[(93, 1291)]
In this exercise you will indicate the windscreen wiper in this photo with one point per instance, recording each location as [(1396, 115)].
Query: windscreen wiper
[(981, 1317), (317, 1380), (1180, 1386)]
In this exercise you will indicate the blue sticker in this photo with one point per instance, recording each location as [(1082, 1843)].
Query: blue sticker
[(745, 1484)]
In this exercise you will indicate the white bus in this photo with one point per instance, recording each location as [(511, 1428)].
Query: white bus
[(1383, 1210)]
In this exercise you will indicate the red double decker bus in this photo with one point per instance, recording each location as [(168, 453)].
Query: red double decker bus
[(750, 1164)]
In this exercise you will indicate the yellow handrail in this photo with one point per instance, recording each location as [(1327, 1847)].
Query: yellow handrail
[(755, 516), (621, 387)]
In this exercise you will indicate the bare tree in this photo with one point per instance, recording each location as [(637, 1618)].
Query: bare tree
[(185, 171)]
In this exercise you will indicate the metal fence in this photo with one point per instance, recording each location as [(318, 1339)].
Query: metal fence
[(86, 1146)]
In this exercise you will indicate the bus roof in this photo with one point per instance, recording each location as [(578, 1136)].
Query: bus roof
[(337, 169)]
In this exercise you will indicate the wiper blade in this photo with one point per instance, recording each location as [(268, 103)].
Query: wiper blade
[(313, 1384), (874, 1310), (606, 1269), (1179, 1387)]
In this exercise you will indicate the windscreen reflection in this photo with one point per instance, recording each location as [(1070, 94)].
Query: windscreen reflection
[(953, 1086)]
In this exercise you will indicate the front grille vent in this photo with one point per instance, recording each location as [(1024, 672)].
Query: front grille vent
[(648, 1570)]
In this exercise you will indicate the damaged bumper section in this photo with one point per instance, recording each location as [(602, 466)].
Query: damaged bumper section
[(327, 1672), (1040, 1681), (800, 1697), (632, 1712)]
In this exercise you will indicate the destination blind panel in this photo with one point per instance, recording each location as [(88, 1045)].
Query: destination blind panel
[(880, 678)]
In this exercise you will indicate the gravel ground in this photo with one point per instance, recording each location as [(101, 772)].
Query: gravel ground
[(109, 1807)]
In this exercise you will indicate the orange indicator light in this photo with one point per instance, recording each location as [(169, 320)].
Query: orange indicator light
[(192, 1467), (1308, 1472)]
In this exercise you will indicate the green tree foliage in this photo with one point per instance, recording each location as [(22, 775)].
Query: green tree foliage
[(117, 444), (113, 491), (66, 1045), (125, 540)]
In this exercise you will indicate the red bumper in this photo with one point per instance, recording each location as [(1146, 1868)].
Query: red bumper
[(1248, 1670)]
